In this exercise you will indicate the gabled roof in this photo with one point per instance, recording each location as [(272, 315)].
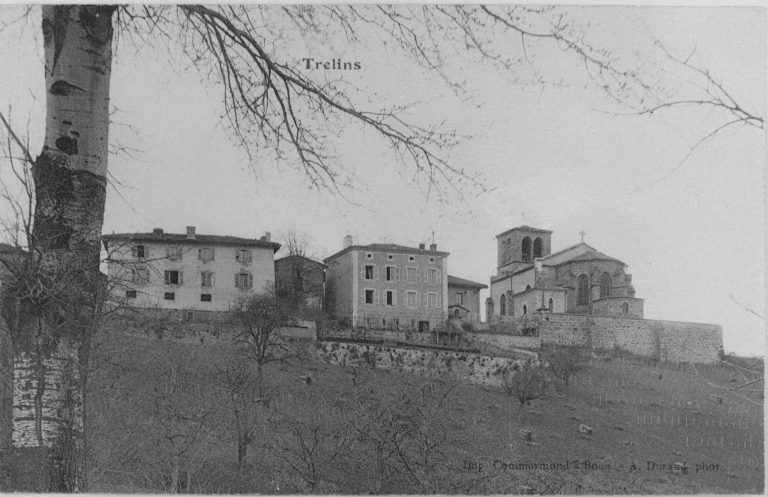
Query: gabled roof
[(455, 281), (287, 259), (388, 248), (524, 228), (581, 252), (181, 239)]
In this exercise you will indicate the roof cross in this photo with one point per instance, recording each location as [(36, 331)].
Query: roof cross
[(582, 233)]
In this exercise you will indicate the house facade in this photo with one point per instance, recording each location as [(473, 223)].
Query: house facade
[(388, 286), (464, 299), (578, 279), (187, 271), (296, 275)]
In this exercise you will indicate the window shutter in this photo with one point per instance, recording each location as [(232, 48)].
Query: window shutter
[(133, 251), (375, 272), (376, 297), (213, 255), (250, 281), (362, 272), (201, 281), (167, 252), (362, 296), (167, 277), (249, 255), (236, 276), (213, 279), (439, 274), (417, 299), (397, 274), (181, 277), (237, 256), (438, 304)]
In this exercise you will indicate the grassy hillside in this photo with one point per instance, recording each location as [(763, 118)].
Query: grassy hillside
[(162, 418)]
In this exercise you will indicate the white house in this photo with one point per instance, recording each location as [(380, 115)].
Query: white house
[(187, 271)]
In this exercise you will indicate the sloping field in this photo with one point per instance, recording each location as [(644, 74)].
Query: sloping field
[(162, 420)]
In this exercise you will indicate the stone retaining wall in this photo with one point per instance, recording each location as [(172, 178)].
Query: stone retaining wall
[(664, 340), (472, 368)]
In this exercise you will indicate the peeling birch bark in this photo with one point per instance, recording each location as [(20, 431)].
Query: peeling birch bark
[(51, 327)]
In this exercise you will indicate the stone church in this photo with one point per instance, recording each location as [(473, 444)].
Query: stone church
[(577, 280)]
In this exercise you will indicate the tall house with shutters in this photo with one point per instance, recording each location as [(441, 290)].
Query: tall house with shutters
[(388, 286), (187, 271)]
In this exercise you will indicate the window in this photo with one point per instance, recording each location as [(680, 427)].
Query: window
[(431, 300), (139, 251), (456, 313), (526, 249), (411, 299), (170, 296), (551, 305), (173, 253), (582, 290), (369, 272), (390, 298), (369, 255), (205, 254), (527, 287), (538, 247), (625, 308), (243, 255), (525, 309), (243, 280), (369, 295), (393, 273), (503, 305), (390, 257), (411, 258), (413, 274), (460, 298), (130, 294), (431, 259), (205, 297), (173, 277), (605, 285), (432, 276), (140, 275), (206, 279)]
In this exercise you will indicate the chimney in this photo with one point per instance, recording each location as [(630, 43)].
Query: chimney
[(347, 241), (157, 231), (433, 247), (267, 236), (190, 232)]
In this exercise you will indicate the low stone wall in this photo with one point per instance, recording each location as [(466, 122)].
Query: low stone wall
[(664, 340), (501, 344), (377, 335), (471, 368)]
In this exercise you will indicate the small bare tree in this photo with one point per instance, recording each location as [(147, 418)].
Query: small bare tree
[(565, 362), (527, 383), (238, 388), (259, 317)]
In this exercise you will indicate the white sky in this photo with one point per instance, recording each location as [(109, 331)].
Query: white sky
[(556, 158)]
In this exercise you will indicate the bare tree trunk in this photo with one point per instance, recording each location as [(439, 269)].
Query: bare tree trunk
[(379, 469), (53, 306)]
